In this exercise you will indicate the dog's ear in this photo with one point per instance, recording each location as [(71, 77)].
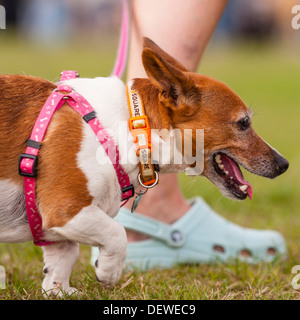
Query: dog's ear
[(168, 77), (148, 43)]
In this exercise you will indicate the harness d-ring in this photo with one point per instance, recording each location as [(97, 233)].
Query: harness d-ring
[(152, 185)]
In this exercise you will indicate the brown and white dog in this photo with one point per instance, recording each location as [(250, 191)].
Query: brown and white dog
[(77, 197)]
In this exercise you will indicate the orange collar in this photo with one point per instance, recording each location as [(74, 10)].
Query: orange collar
[(141, 132)]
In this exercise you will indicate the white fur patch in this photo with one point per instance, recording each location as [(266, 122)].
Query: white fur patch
[(13, 219), (108, 97)]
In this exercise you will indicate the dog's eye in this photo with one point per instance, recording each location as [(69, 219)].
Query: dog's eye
[(244, 123)]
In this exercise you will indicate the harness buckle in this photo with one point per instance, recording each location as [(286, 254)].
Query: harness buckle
[(34, 165), (126, 189)]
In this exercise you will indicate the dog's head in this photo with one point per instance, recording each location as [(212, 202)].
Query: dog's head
[(194, 101)]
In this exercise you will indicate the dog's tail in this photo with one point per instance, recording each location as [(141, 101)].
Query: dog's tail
[(121, 59)]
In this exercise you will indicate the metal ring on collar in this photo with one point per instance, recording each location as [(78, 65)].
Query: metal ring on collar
[(152, 185)]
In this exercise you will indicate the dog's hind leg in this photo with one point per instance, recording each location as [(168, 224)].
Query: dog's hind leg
[(94, 227), (59, 259)]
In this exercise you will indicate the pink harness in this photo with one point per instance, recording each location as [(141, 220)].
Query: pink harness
[(29, 160), (123, 44)]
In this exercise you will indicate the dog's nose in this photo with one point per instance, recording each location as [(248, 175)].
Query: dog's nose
[(282, 164)]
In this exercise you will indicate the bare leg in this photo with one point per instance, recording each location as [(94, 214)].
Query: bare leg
[(184, 33)]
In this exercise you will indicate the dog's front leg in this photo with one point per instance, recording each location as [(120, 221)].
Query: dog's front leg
[(59, 259), (94, 227)]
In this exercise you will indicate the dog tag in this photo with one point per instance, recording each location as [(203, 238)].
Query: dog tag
[(137, 200)]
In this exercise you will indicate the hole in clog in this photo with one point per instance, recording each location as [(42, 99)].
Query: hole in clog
[(271, 251), (218, 248), (245, 253)]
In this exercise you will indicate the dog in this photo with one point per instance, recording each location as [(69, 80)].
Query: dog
[(77, 197)]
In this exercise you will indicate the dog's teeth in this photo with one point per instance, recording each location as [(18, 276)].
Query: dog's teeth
[(226, 172), (218, 158), (221, 166), (244, 188)]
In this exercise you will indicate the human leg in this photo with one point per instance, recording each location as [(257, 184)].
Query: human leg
[(183, 29)]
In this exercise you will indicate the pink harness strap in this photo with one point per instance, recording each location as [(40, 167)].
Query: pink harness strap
[(28, 161), (123, 44)]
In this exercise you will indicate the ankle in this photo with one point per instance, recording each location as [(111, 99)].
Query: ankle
[(164, 210), (133, 236), (164, 203)]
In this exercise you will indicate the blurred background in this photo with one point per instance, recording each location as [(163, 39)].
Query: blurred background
[(254, 50)]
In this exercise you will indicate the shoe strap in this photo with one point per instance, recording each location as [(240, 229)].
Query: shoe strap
[(172, 236)]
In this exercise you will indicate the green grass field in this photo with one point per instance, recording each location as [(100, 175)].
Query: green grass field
[(267, 77)]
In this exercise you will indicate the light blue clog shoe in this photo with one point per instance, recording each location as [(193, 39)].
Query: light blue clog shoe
[(201, 235)]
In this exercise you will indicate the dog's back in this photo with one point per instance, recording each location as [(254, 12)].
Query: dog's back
[(21, 99)]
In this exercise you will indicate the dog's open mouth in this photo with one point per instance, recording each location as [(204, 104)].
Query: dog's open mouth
[(232, 175)]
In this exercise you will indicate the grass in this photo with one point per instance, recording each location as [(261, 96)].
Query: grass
[(267, 78)]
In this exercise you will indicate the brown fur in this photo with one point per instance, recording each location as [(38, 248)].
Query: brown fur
[(61, 185)]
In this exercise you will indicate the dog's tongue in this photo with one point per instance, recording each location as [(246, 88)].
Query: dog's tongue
[(236, 172)]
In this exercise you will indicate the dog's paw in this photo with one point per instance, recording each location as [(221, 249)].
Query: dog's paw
[(59, 291), (108, 277)]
